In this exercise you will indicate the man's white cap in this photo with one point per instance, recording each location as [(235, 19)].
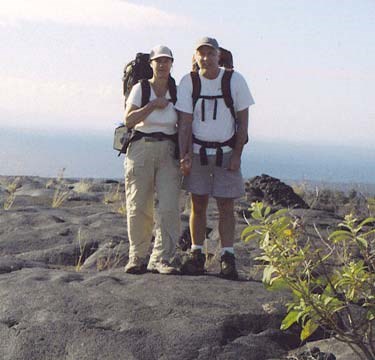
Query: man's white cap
[(160, 51)]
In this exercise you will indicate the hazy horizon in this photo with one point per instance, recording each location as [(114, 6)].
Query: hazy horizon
[(86, 155)]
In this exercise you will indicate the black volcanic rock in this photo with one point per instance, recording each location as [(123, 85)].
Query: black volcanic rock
[(273, 192), (50, 310)]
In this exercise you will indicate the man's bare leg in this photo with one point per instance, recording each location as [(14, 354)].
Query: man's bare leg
[(194, 264), (226, 231), (226, 221), (198, 218)]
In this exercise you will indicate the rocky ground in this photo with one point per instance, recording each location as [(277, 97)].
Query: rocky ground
[(64, 295)]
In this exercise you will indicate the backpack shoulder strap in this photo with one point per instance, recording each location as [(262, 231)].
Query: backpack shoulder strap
[(227, 94), (146, 92), (196, 81), (172, 89)]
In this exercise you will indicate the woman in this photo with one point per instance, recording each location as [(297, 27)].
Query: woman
[(151, 167)]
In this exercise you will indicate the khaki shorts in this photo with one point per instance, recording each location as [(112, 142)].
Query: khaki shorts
[(214, 180)]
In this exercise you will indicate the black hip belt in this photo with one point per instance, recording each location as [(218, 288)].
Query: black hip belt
[(154, 135), (213, 145), (157, 136)]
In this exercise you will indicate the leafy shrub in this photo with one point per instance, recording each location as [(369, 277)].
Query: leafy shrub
[(340, 299)]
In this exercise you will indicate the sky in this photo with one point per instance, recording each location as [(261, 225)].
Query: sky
[(309, 64)]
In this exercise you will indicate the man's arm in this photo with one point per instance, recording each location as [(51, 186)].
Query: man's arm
[(241, 138), (185, 121)]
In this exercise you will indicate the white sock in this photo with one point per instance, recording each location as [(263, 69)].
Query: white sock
[(197, 247), (227, 249)]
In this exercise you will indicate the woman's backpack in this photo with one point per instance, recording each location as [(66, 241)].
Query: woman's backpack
[(137, 70)]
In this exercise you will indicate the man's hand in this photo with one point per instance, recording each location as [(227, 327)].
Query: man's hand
[(234, 162), (185, 164)]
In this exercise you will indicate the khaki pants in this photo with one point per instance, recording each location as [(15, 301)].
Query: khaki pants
[(150, 169)]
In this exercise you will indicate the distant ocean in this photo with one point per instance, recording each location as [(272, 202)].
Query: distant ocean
[(87, 155)]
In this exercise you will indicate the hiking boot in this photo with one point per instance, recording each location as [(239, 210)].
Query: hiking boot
[(136, 265), (194, 263), (162, 267), (228, 266)]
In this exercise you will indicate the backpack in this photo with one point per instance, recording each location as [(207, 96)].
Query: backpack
[(137, 70), (226, 61)]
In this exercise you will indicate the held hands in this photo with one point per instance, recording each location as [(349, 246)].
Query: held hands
[(185, 164)]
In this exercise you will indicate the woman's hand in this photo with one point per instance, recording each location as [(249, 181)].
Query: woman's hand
[(159, 103), (134, 115)]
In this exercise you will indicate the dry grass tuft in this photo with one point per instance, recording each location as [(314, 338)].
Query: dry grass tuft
[(112, 260), (82, 248), (82, 187), (62, 191), (371, 205), (116, 199), (11, 191)]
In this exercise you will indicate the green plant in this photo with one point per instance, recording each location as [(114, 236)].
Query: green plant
[(339, 298), (62, 192)]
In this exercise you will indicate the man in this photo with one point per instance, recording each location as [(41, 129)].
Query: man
[(211, 142)]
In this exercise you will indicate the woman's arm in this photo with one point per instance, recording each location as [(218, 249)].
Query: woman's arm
[(135, 115)]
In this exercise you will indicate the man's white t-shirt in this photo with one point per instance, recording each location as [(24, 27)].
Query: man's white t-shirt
[(223, 128), (160, 120)]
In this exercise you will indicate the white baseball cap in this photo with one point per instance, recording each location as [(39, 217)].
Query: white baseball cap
[(160, 51)]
